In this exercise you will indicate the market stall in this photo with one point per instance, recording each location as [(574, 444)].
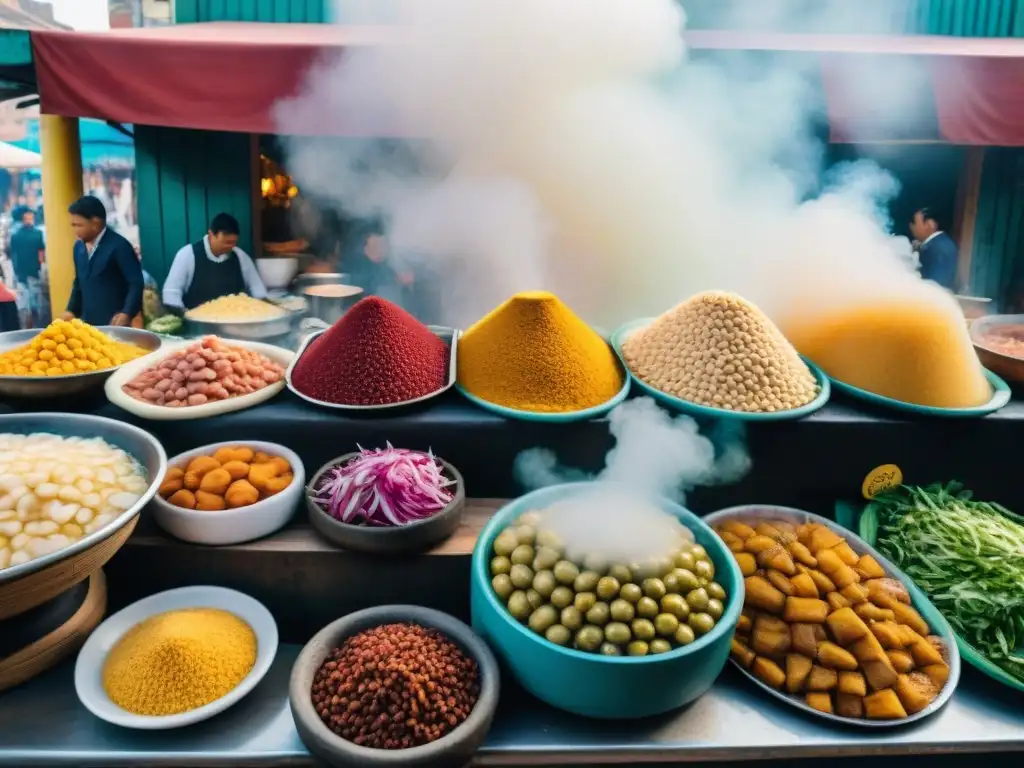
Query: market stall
[(226, 516), (321, 550)]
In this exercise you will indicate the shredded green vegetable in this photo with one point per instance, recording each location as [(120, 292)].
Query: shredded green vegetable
[(968, 557)]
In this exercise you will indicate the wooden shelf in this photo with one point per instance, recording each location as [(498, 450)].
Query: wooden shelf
[(299, 537)]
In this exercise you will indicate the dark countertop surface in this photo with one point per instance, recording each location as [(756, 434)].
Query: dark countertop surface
[(43, 724), (807, 463)]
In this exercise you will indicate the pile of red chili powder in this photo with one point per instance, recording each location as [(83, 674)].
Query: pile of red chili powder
[(376, 354), (395, 686)]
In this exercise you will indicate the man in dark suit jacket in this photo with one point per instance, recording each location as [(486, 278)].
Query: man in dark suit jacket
[(938, 251), (108, 276)]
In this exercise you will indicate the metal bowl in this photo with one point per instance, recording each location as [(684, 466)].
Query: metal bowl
[(330, 309), (73, 383), (306, 279), (1009, 367), (246, 330), (40, 575), (449, 336)]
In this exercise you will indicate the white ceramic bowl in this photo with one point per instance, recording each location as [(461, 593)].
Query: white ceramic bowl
[(232, 526), (89, 667), (277, 271)]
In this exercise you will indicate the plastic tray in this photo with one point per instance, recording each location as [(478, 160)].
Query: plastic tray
[(918, 599), (867, 527), (163, 413), (448, 335), (695, 409), (1000, 397)]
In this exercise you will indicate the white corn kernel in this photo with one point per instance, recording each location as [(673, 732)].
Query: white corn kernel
[(19, 557)]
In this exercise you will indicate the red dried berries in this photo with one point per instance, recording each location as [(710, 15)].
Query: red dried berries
[(377, 354), (395, 686)]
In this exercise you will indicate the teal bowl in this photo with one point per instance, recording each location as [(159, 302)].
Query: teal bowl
[(1000, 397), (553, 418), (867, 527), (695, 409), (588, 684)]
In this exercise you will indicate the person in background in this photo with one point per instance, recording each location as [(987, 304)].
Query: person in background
[(108, 276), (210, 268), (366, 258), (9, 320), (937, 250), (28, 254)]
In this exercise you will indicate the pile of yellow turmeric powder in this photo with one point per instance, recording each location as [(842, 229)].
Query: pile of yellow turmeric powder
[(179, 661), (533, 354)]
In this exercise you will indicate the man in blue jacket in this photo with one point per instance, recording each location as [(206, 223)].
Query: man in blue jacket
[(937, 250), (108, 276)]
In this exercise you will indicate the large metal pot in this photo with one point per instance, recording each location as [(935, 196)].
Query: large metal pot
[(329, 302)]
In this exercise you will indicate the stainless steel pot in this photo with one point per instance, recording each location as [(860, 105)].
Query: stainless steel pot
[(306, 279), (329, 309)]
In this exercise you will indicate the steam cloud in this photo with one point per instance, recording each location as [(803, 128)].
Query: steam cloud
[(654, 453), (571, 146)]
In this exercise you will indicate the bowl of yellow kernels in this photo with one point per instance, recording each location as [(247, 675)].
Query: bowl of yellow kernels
[(67, 357)]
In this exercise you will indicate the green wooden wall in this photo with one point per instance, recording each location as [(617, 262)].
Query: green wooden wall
[(184, 179), (968, 18), (294, 11)]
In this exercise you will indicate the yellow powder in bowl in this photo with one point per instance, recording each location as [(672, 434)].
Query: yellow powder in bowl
[(178, 661), (533, 354), (910, 349)]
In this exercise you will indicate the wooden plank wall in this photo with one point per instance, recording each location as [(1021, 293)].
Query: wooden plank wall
[(184, 179)]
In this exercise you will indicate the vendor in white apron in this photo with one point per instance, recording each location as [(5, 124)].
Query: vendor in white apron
[(210, 268)]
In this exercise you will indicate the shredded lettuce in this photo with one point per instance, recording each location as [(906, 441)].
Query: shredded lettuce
[(967, 556)]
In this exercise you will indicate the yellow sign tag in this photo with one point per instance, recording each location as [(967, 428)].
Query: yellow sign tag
[(881, 479)]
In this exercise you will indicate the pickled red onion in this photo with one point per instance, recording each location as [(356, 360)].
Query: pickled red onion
[(385, 487)]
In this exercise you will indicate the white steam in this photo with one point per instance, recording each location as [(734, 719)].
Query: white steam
[(570, 146), (654, 453), (615, 525)]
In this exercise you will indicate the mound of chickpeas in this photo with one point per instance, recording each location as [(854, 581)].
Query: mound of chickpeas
[(204, 372), (597, 606)]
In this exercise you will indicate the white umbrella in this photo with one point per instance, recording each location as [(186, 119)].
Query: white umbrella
[(15, 158)]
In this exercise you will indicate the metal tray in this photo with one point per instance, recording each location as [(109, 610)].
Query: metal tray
[(246, 330), (39, 387), (917, 598), (448, 335)]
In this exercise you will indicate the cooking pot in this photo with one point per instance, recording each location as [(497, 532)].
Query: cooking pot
[(328, 302)]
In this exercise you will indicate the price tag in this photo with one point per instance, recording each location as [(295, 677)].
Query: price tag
[(881, 479)]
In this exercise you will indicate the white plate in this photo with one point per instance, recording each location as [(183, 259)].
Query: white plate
[(89, 666), (232, 526), (282, 357)]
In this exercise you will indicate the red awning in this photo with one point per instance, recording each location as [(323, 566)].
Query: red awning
[(228, 76), (219, 77), (963, 90)]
